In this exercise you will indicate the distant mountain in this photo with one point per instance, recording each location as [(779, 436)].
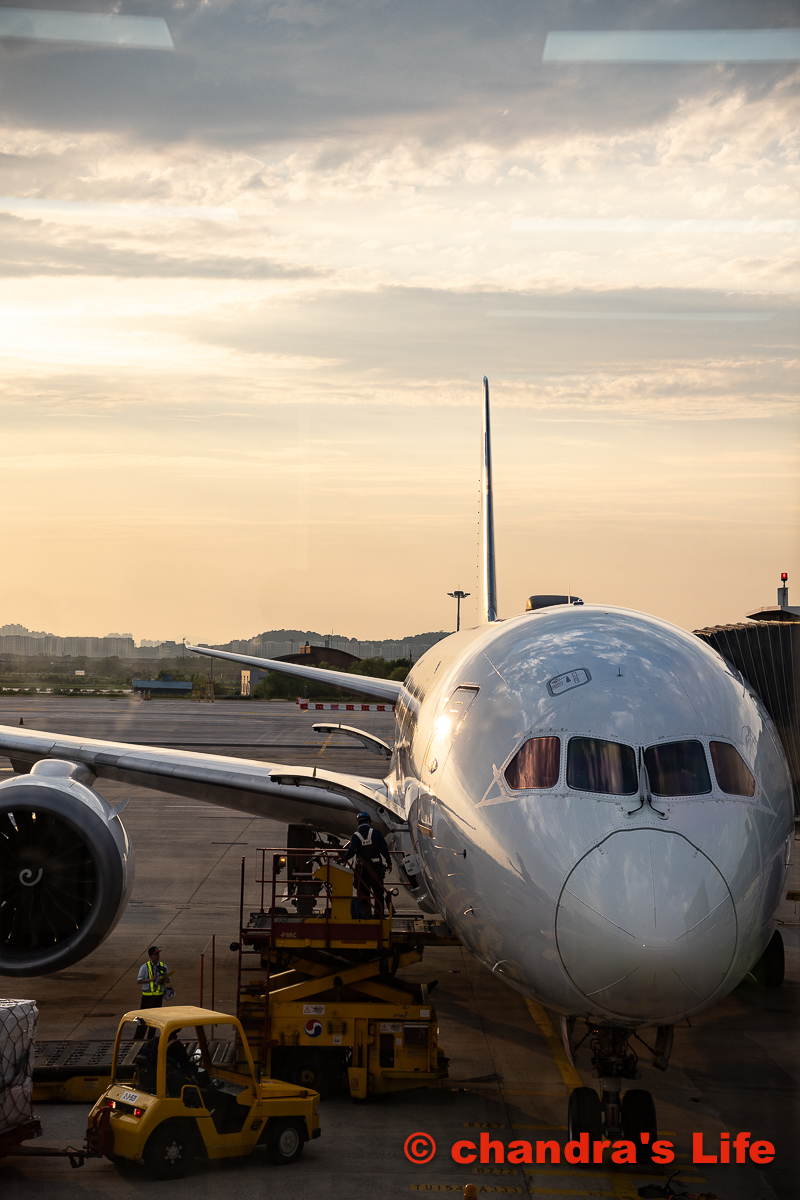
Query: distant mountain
[(309, 635)]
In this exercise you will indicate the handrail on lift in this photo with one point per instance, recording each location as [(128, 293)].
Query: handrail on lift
[(281, 858)]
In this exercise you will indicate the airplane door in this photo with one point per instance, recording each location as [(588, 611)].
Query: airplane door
[(447, 726)]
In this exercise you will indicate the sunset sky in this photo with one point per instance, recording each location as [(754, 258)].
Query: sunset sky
[(241, 364)]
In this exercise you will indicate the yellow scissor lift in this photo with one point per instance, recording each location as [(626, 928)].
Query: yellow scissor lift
[(318, 995)]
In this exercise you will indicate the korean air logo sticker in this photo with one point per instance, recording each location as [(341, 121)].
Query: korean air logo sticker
[(313, 1028)]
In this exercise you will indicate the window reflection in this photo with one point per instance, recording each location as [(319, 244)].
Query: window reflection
[(678, 769), (536, 764), (598, 766), (733, 774)]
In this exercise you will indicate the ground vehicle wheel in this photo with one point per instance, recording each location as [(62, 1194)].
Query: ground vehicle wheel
[(638, 1117), (310, 1069), (285, 1141), (585, 1114), (170, 1150)]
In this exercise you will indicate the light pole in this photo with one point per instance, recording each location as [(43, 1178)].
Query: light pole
[(458, 596)]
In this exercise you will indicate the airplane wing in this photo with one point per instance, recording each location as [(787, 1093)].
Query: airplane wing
[(297, 795), (66, 864), (366, 685)]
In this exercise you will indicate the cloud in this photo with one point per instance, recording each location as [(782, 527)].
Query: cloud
[(25, 252), (249, 71)]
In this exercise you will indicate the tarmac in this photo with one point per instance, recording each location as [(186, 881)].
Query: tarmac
[(736, 1067)]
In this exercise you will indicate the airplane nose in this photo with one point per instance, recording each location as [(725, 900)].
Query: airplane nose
[(646, 925)]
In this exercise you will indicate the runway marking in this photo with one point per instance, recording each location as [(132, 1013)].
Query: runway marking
[(538, 1127), (567, 1192), (459, 1187), (624, 1187), (495, 1171), (602, 1175), (325, 744), (568, 1073)]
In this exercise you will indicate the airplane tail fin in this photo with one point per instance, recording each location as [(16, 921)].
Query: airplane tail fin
[(488, 574)]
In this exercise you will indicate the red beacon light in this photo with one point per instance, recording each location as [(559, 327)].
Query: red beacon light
[(784, 576)]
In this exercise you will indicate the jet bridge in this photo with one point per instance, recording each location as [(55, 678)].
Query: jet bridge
[(767, 653)]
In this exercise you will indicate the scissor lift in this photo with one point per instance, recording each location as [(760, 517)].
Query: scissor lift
[(318, 993)]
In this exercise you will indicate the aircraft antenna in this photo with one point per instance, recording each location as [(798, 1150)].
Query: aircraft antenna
[(488, 574)]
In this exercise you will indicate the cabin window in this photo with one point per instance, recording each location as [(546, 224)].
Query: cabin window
[(678, 769), (535, 765), (594, 765), (733, 774)]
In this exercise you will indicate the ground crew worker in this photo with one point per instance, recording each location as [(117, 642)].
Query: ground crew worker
[(154, 977), (372, 860)]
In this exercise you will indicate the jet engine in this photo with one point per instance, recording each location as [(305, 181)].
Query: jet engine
[(66, 868)]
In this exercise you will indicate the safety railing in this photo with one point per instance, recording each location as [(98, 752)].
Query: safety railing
[(289, 876)]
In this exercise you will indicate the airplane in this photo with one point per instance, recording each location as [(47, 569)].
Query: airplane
[(595, 802)]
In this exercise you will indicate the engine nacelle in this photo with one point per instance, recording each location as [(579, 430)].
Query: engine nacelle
[(66, 868)]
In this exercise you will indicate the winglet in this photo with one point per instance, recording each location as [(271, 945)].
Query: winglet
[(488, 575)]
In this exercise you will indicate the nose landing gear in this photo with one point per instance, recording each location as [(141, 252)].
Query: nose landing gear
[(633, 1117)]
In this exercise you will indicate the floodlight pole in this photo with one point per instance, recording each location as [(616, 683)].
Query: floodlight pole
[(458, 596)]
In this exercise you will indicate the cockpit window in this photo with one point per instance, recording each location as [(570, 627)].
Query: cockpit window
[(597, 766), (733, 774), (678, 769), (536, 764)]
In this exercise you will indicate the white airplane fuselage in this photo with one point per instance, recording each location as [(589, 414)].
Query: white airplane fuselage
[(630, 908)]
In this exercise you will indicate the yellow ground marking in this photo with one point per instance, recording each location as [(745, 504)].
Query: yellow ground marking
[(525, 1092), (624, 1187), (559, 1055), (325, 744), (538, 1127), (494, 1171), (563, 1171), (459, 1187), (567, 1192)]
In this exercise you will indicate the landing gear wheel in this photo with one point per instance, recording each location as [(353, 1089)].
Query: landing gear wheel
[(769, 970), (585, 1114), (284, 1142), (169, 1151), (638, 1117)]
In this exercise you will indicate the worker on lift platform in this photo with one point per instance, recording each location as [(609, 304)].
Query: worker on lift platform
[(369, 847)]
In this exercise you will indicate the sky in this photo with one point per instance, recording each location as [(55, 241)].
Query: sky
[(249, 288)]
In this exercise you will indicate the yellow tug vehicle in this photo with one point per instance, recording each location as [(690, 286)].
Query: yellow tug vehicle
[(179, 1104)]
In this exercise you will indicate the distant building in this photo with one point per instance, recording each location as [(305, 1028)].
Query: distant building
[(163, 687), (16, 639), (314, 656), (308, 656), (782, 611), (251, 679)]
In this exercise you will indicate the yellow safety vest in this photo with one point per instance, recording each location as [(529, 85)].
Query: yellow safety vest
[(156, 986)]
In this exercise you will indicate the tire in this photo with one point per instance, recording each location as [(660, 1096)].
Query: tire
[(285, 1141), (585, 1114), (312, 1069), (638, 1117), (170, 1150), (770, 968)]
